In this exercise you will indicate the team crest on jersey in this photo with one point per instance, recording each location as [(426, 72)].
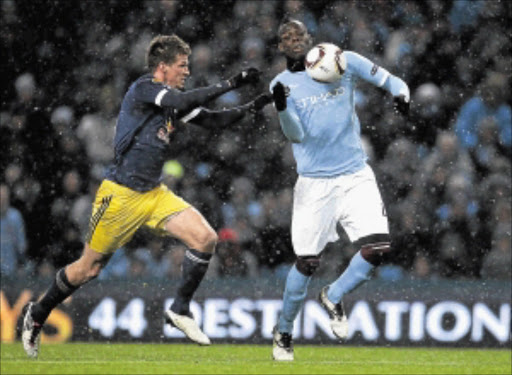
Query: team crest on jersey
[(165, 132)]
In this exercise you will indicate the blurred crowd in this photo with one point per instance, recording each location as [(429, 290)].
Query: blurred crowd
[(444, 172)]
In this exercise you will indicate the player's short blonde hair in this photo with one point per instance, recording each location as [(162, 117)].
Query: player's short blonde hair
[(165, 48)]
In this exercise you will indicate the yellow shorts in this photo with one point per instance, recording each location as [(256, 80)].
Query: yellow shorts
[(119, 211)]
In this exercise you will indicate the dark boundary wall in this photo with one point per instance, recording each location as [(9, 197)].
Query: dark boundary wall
[(406, 313)]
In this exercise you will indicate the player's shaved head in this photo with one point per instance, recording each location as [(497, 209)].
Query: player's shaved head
[(288, 23), (294, 40), (165, 48)]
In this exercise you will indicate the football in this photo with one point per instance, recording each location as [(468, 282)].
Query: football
[(325, 62)]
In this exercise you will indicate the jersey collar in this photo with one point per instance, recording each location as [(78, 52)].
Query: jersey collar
[(295, 65)]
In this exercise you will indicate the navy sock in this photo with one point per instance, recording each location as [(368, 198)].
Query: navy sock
[(58, 291), (194, 268)]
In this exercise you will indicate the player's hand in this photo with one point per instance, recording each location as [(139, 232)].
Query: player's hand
[(280, 92), (260, 102), (250, 75), (401, 105)]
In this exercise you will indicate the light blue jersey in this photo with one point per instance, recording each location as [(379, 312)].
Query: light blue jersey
[(321, 120)]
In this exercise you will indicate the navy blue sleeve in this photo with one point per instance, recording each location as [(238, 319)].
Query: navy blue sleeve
[(208, 119), (149, 91)]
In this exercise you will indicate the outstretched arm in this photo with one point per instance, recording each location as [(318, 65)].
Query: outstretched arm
[(209, 119), (164, 96), (380, 77)]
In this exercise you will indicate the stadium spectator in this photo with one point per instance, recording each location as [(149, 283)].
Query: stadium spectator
[(118, 266), (62, 119), (231, 259), (491, 100), (464, 14), (177, 256), (26, 196), (411, 229), (12, 234), (273, 246), (97, 132), (422, 267), (67, 242), (202, 63), (446, 159), (151, 255), (487, 151), (497, 263), (297, 9), (456, 227), (242, 204), (397, 170), (427, 115)]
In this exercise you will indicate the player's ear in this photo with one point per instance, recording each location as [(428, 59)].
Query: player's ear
[(162, 66)]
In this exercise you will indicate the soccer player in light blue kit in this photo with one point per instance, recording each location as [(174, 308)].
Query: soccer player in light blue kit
[(335, 184)]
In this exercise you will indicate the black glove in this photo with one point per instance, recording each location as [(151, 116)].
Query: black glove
[(260, 102), (279, 93), (251, 75), (401, 105)]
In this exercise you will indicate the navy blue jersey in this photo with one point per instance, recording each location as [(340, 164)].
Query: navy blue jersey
[(149, 114)]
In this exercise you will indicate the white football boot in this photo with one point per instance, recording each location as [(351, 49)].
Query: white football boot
[(188, 326), (339, 321), (31, 332), (282, 348)]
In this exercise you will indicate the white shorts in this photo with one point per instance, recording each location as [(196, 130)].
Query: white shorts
[(320, 203)]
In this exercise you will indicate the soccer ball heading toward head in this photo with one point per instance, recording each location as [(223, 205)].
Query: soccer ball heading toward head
[(325, 62)]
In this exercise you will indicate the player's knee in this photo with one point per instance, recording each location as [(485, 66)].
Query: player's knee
[(207, 241), (79, 275), (92, 272), (375, 249), (307, 265)]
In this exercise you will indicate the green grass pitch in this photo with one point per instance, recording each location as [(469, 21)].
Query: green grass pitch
[(96, 358)]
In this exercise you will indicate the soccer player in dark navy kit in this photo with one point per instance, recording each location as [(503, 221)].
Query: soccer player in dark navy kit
[(132, 194)]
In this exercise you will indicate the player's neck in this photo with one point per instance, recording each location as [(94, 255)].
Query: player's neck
[(295, 65), (158, 75)]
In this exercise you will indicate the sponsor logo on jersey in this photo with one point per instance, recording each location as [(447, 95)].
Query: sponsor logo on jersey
[(322, 98), (374, 69)]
